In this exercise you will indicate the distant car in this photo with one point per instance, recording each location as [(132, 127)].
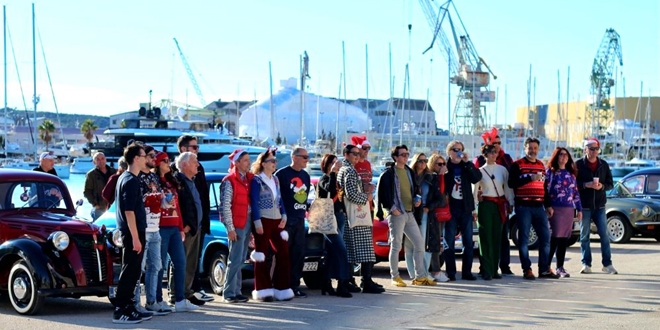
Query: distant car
[(45, 250), (629, 215), (213, 261), (533, 242)]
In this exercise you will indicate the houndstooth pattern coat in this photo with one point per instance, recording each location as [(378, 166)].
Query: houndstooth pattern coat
[(359, 240)]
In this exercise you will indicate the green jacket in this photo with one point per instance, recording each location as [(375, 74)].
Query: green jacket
[(95, 180)]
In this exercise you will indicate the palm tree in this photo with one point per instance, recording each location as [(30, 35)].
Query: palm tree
[(46, 130), (87, 129)]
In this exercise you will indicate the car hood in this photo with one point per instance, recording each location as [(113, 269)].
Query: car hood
[(44, 223)]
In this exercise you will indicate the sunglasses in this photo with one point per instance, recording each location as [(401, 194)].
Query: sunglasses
[(356, 153), (151, 155), (303, 156), (419, 161), (563, 154), (441, 164), (594, 148), (272, 160), (405, 154), (366, 148), (497, 143), (193, 147), (457, 149)]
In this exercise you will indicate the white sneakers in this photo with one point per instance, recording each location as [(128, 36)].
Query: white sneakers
[(185, 306), (607, 270), (585, 270), (441, 277)]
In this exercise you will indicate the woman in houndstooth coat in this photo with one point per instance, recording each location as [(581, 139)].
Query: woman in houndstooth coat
[(359, 239)]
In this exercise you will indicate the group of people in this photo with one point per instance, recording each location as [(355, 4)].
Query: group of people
[(163, 213)]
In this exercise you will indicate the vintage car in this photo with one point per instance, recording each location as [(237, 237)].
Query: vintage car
[(533, 238), (631, 210), (215, 249), (45, 250)]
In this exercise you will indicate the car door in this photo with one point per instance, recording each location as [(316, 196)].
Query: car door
[(652, 189)]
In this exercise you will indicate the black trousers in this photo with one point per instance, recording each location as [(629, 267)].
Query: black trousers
[(131, 270), (197, 280), (296, 229), (505, 250)]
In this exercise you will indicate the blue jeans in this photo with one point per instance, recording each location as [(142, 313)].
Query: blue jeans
[(463, 220), (172, 244), (237, 255), (598, 217), (153, 264), (96, 213), (537, 218), (408, 249)]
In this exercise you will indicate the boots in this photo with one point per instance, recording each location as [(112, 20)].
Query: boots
[(352, 286), (327, 287), (342, 289), (368, 285)]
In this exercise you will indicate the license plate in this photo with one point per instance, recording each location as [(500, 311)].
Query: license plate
[(112, 291), (310, 266)]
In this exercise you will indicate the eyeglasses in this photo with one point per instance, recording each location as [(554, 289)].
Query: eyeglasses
[(366, 148), (303, 156), (355, 153), (405, 154), (497, 143), (594, 148), (419, 161), (272, 160), (193, 147), (166, 161), (151, 155), (441, 164), (145, 155), (457, 149)]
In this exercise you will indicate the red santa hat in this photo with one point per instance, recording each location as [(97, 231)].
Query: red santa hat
[(360, 141), (592, 141), (489, 137), (233, 157)]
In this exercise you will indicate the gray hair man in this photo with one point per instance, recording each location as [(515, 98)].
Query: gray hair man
[(95, 181)]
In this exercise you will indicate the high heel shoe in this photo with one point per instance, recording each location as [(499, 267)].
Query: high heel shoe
[(327, 288), (342, 289)]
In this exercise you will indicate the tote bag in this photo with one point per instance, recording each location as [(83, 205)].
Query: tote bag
[(442, 214), (358, 215), (321, 217)]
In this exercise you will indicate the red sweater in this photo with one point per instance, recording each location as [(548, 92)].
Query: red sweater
[(170, 213)]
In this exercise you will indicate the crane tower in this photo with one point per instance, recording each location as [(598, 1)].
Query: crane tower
[(600, 111)]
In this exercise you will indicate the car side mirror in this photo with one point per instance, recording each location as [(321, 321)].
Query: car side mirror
[(79, 202)]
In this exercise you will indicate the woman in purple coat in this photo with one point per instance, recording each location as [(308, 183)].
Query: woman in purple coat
[(562, 187)]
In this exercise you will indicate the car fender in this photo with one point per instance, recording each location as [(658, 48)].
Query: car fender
[(32, 253)]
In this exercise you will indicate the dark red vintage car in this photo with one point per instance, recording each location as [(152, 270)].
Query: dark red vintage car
[(45, 250)]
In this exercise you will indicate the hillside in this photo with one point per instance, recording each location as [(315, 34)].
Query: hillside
[(67, 120)]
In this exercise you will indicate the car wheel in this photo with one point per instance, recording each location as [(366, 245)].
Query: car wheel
[(218, 271), (573, 239), (313, 280), (619, 230), (23, 293), (533, 242)]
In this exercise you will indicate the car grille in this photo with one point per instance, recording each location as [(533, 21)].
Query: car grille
[(90, 256)]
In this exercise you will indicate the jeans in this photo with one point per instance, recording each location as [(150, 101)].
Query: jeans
[(598, 217), (191, 251), (96, 213), (152, 260), (459, 220), (405, 224), (409, 248), (172, 245), (537, 218), (296, 229), (237, 254)]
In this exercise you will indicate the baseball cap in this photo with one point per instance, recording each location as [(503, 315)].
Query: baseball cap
[(46, 155)]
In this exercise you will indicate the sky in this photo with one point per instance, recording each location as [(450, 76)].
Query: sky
[(105, 56)]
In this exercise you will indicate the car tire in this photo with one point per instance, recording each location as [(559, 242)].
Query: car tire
[(533, 238), (619, 230), (314, 280), (23, 293), (218, 272)]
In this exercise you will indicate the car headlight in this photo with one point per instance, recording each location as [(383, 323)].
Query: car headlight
[(60, 240), (647, 211), (116, 238)]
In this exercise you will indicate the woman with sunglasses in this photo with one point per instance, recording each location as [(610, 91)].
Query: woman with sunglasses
[(269, 218), (437, 166), (328, 188), (494, 207), (562, 186)]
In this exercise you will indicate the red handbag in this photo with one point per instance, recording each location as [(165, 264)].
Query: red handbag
[(442, 214)]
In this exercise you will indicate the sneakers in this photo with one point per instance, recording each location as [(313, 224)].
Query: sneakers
[(144, 314), (585, 270), (299, 294), (165, 306), (397, 281), (562, 272), (126, 316), (422, 281), (157, 309), (548, 274), (202, 296), (529, 275), (441, 277), (185, 306), (609, 270), (236, 299)]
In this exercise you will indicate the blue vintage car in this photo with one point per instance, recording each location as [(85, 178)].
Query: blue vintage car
[(213, 261)]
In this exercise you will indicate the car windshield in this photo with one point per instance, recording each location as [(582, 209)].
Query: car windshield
[(620, 190), (28, 194)]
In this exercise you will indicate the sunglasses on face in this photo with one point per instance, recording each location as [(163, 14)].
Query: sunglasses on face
[(563, 154), (441, 164), (272, 160), (151, 155), (497, 143), (457, 149), (405, 154), (166, 161), (354, 153), (594, 148), (193, 147), (303, 156), (366, 148), (419, 161)]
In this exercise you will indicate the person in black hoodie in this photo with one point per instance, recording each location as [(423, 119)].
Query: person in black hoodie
[(461, 174), (594, 178)]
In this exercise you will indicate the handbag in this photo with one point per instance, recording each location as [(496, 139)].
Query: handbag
[(358, 215), (442, 214), (321, 217)]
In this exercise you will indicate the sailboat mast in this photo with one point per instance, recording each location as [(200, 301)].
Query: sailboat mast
[(366, 55), (270, 104), (4, 50), (35, 98), (343, 61)]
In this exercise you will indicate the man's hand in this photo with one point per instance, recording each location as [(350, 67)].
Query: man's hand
[(232, 236), (579, 216), (597, 186), (396, 212), (186, 229), (426, 210), (137, 246)]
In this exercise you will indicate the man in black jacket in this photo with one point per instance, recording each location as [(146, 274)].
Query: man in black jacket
[(594, 179)]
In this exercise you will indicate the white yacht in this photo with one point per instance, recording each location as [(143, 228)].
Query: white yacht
[(82, 165), (63, 171)]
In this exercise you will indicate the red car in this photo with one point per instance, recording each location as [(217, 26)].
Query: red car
[(45, 250)]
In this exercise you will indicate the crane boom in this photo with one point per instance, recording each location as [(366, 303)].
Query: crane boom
[(190, 74)]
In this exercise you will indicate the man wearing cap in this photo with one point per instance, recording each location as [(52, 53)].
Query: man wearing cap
[(95, 181), (594, 178), (46, 164)]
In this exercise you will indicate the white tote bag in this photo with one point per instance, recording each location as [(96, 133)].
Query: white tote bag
[(321, 217), (358, 215)]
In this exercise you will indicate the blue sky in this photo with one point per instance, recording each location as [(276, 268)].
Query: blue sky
[(104, 56)]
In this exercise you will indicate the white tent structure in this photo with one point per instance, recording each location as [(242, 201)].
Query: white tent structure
[(321, 115)]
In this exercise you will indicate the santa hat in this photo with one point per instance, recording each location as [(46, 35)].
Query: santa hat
[(360, 140), (592, 141), (160, 156), (233, 157), (489, 137)]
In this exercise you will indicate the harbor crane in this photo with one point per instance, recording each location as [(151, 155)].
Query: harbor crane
[(600, 112), (190, 74), (464, 65)]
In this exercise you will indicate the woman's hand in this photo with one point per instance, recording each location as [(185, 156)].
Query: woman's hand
[(259, 230)]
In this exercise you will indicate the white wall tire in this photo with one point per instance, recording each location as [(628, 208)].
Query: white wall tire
[(23, 291)]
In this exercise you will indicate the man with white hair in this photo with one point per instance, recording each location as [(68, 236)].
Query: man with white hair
[(190, 204), (95, 181), (46, 164), (594, 178)]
